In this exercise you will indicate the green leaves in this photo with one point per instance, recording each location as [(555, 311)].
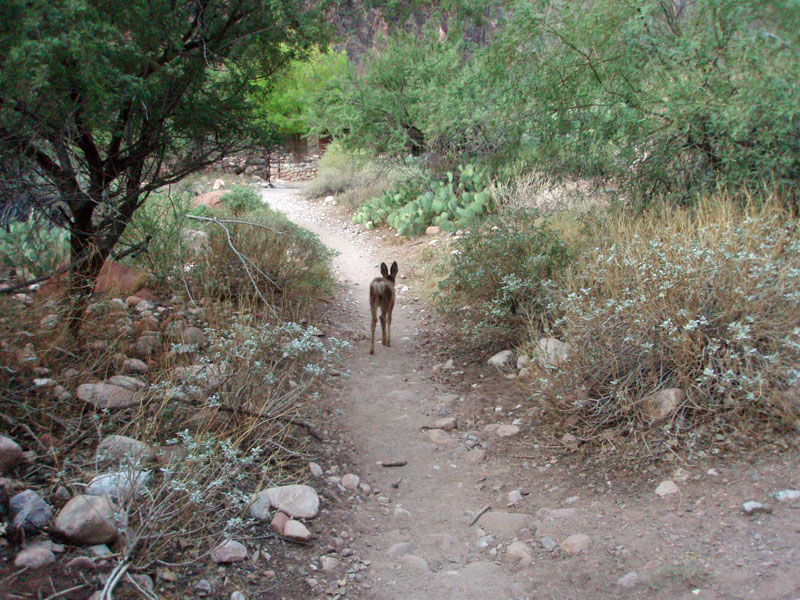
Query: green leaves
[(416, 204)]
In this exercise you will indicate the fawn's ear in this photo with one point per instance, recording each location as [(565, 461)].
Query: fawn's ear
[(384, 270), (395, 269)]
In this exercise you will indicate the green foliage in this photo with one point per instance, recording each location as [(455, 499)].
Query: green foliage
[(411, 206), (500, 275), (33, 248), (285, 102), (666, 98), (240, 199)]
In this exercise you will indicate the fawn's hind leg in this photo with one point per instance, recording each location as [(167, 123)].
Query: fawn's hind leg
[(383, 327), (389, 327), (374, 310)]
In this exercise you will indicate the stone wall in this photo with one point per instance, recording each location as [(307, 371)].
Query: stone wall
[(281, 164)]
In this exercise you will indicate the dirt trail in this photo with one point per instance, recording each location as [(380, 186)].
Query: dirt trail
[(413, 526)]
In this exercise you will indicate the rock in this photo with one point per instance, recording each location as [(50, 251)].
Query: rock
[(238, 596), (628, 580), (10, 454), (350, 481), (117, 279), (129, 383), (575, 544), (315, 469), (555, 513), (229, 551), (662, 404), (501, 359), (34, 558), (552, 351), (475, 456), (88, 520), (29, 511), (106, 395), (122, 449), (81, 563), (666, 487), (569, 440), (785, 495), (415, 562), (134, 365), (328, 563), (445, 423), (439, 437), (298, 501), (133, 300), (193, 335), (195, 240), (505, 524), (146, 324), (147, 343), (432, 230), (752, 508), (203, 588), (295, 530), (100, 550), (523, 360), (210, 199), (519, 554), (119, 485), (548, 543), (507, 430), (278, 522), (400, 548), (514, 497)]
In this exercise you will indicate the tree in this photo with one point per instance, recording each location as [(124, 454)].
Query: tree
[(105, 102)]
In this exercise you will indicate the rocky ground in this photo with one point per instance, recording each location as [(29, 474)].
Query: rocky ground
[(433, 480)]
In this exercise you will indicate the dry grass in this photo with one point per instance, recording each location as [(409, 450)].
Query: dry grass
[(705, 300)]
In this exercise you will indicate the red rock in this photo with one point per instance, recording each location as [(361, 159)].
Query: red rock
[(278, 523), (210, 199), (146, 324), (118, 280), (295, 530)]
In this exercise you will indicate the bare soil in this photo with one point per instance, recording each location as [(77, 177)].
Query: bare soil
[(414, 531)]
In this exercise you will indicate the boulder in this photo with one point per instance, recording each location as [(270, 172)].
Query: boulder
[(88, 520)]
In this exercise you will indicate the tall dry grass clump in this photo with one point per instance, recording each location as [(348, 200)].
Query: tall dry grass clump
[(706, 300)]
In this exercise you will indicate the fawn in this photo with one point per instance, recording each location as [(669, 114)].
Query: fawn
[(381, 293)]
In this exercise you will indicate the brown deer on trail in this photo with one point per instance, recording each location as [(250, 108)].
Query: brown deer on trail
[(381, 293)]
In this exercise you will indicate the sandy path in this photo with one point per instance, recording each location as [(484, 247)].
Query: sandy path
[(413, 527)]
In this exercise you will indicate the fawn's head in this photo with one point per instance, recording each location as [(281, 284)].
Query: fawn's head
[(389, 274)]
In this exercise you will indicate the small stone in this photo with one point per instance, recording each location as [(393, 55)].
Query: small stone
[(328, 563), (193, 335), (298, 501), (501, 359), (135, 366), (445, 423), (238, 596), (519, 554), (628, 580), (350, 481), (278, 523), (400, 548), (29, 511), (507, 430), (504, 524), (414, 562), (132, 301), (123, 449), (203, 587), (100, 550), (228, 552), (432, 230), (575, 544), (315, 469), (108, 396), (295, 530), (552, 351), (119, 485), (785, 495), (666, 487), (88, 520), (439, 437), (662, 404), (523, 360), (146, 324), (548, 543), (712, 472), (569, 440), (81, 563), (514, 497), (752, 508), (10, 454), (129, 383), (34, 558), (475, 456)]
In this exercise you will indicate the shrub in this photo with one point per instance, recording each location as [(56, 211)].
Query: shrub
[(499, 275), (240, 199), (265, 256), (33, 248), (708, 302), (411, 206)]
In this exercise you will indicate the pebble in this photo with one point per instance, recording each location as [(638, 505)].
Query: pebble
[(445, 423), (238, 596), (414, 562), (203, 587), (315, 469), (350, 481), (628, 580), (298, 501), (229, 551), (88, 520), (295, 530), (439, 437), (507, 430), (752, 508), (475, 456), (328, 563), (34, 558), (576, 543), (10, 454), (81, 563), (548, 543), (666, 487), (784, 495)]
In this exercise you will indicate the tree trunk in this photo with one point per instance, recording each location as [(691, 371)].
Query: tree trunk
[(87, 260)]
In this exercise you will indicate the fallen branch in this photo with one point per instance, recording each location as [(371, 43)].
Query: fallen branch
[(480, 514)]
